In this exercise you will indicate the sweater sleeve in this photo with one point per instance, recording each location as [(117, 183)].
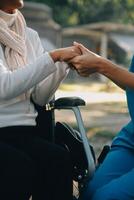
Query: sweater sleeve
[(46, 89), (13, 84)]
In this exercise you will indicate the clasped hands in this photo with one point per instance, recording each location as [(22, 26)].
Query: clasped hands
[(79, 58)]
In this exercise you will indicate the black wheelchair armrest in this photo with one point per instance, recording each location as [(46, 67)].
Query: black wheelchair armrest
[(69, 102)]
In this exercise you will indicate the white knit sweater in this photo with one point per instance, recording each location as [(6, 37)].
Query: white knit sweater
[(41, 77)]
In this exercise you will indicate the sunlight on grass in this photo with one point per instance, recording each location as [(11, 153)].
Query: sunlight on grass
[(100, 132), (105, 111), (108, 107), (92, 86)]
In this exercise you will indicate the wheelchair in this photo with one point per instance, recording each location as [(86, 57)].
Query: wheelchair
[(76, 142)]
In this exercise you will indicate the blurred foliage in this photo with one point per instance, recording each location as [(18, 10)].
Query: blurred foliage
[(75, 12)]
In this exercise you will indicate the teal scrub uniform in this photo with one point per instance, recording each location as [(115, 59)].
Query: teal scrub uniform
[(114, 179)]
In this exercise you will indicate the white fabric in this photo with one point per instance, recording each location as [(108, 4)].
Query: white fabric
[(40, 77)]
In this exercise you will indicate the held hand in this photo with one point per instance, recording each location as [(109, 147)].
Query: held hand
[(87, 59), (82, 48), (65, 54), (87, 63)]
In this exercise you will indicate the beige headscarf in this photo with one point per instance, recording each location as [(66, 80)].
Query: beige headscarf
[(13, 37)]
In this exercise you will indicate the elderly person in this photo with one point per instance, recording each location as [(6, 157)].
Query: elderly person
[(114, 179), (32, 165)]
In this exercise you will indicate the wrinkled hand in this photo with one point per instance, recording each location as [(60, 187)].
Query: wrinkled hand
[(65, 54), (86, 63)]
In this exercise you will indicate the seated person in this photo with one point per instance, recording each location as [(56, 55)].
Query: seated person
[(26, 72)]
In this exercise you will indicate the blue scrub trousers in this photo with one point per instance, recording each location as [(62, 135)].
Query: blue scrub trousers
[(114, 179)]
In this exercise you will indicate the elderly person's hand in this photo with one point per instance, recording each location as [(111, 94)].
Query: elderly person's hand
[(65, 54), (87, 63)]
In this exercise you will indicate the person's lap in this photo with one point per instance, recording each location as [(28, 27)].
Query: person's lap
[(50, 163), (114, 179), (53, 167), (16, 173)]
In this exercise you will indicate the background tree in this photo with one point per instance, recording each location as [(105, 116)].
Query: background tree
[(75, 12)]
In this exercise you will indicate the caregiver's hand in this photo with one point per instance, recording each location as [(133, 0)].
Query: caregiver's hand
[(87, 63)]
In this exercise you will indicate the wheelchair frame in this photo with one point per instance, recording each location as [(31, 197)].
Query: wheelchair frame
[(46, 114)]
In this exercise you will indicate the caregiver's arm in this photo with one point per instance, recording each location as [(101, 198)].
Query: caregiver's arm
[(90, 62)]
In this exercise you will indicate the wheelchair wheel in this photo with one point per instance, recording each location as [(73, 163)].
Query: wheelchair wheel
[(70, 139)]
